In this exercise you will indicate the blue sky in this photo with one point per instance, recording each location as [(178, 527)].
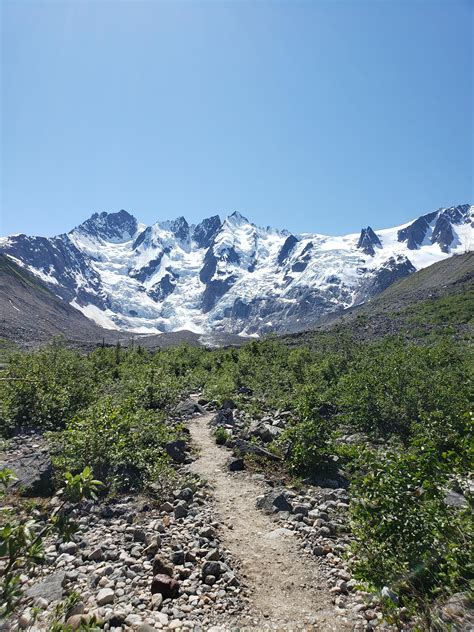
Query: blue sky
[(314, 116)]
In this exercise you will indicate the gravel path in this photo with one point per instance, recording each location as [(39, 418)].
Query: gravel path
[(283, 589)]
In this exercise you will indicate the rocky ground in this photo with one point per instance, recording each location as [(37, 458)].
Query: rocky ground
[(229, 550)]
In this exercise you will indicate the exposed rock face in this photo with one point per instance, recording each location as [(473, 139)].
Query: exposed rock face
[(415, 233), (205, 232), (286, 249), (368, 241)]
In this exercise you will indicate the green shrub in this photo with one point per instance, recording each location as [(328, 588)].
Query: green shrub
[(45, 389), (123, 446), (221, 436), (406, 536)]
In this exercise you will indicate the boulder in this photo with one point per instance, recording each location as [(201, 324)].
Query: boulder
[(165, 585), (189, 407), (51, 588), (236, 465), (241, 448), (33, 471), (273, 502), (264, 431), (223, 417), (176, 450)]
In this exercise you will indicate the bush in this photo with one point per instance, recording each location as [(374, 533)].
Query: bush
[(124, 447), (221, 435), (45, 389), (406, 536)]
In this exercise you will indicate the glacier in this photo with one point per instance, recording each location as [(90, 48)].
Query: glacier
[(229, 275)]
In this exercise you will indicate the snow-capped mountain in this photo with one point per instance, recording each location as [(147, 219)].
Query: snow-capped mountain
[(228, 275)]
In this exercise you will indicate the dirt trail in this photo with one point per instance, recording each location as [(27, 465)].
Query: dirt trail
[(283, 588)]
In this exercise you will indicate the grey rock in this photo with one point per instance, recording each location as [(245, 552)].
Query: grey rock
[(273, 502), (50, 588), (181, 509), (453, 499), (236, 465), (105, 596)]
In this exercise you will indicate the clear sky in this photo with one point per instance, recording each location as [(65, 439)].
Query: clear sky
[(314, 116)]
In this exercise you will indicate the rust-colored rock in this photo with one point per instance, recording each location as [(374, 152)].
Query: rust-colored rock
[(165, 585)]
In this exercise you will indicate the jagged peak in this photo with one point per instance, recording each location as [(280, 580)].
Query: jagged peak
[(236, 218), (205, 231), (368, 240), (115, 227)]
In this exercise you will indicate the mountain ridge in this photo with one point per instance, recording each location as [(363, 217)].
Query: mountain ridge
[(228, 275)]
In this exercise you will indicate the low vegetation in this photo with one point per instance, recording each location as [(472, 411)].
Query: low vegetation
[(405, 406)]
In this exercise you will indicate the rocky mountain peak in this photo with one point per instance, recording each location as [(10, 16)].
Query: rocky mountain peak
[(368, 240), (206, 230), (114, 227), (236, 219)]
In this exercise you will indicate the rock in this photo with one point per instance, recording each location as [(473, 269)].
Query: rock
[(117, 619), (223, 417), (370, 615), (181, 509), (189, 407), (186, 494), (389, 594), (228, 404), (301, 509), (166, 506), (133, 620), (177, 557), (244, 390), (266, 432), (25, 621), (68, 547), (273, 501), (97, 555), (213, 555), (165, 585), (453, 499), (51, 588), (242, 447), (162, 567), (105, 596), (213, 568), (33, 471), (176, 450), (139, 535), (156, 601), (236, 465)]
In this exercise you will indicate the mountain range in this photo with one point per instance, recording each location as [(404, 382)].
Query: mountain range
[(228, 276)]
